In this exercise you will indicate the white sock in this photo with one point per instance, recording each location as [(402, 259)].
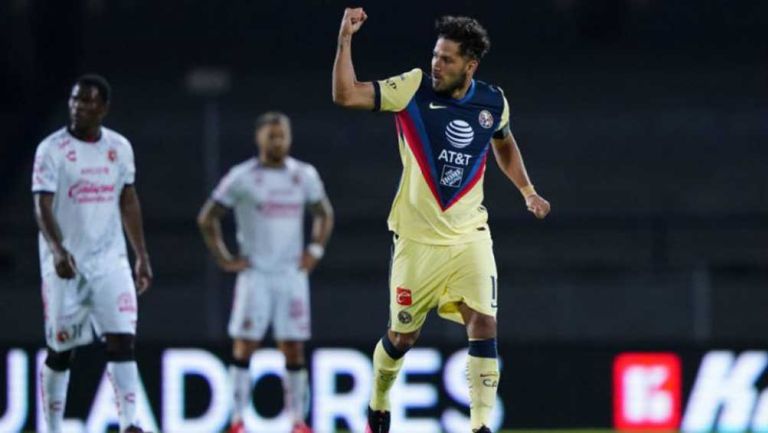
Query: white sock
[(296, 387), (125, 380), (54, 393), (240, 378)]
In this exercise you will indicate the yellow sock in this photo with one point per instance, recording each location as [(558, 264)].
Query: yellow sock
[(483, 376), (386, 364)]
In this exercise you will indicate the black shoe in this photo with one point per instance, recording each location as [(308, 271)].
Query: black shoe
[(134, 429), (378, 421), (482, 429)]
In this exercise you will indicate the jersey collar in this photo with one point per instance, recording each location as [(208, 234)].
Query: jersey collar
[(74, 137), (469, 95)]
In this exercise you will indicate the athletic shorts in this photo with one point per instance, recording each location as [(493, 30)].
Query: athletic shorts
[(74, 309), (277, 298), (425, 276)]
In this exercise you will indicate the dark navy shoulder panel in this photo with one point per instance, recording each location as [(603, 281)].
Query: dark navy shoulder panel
[(489, 95)]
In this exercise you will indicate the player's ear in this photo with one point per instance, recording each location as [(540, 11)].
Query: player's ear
[(471, 66)]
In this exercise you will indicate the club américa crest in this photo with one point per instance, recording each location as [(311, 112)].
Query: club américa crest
[(486, 119)]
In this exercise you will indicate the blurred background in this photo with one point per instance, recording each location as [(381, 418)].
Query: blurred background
[(644, 122)]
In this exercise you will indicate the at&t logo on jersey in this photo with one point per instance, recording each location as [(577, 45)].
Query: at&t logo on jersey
[(459, 134)]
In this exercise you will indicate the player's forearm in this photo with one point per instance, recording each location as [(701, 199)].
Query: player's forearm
[(510, 162), (130, 210), (322, 223), (210, 228), (46, 222), (209, 223), (344, 78)]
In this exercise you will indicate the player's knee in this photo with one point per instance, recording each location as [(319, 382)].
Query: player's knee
[(120, 348), (293, 352), (243, 349), (403, 342), (59, 361)]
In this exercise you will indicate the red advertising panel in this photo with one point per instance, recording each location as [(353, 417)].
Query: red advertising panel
[(647, 391)]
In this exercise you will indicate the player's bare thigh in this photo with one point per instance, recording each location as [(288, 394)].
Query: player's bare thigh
[(479, 325)]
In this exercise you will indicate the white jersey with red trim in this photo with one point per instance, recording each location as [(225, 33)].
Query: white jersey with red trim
[(86, 179), (269, 208)]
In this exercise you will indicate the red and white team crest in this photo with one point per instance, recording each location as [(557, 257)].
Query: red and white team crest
[(112, 155), (125, 303), (72, 155), (62, 336), (486, 119), (296, 310)]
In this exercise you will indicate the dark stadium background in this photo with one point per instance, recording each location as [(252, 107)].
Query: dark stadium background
[(644, 122)]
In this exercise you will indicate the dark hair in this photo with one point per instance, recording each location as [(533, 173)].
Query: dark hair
[(471, 36), (271, 118), (99, 82)]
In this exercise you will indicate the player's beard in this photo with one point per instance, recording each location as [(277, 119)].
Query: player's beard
[(275, 156), (451, 87)]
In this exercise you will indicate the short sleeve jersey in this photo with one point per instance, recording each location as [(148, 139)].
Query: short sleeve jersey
[(86, 179), (444, 144), (269, 206)]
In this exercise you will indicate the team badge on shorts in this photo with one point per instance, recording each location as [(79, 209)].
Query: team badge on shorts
[(486, 119), (125, 303), (404, 296), (404, 317)]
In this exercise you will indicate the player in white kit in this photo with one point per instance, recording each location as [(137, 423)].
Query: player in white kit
[(82, 184), (269, 194)]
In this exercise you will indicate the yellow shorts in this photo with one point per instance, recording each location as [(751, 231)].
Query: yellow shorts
[(427, 276)]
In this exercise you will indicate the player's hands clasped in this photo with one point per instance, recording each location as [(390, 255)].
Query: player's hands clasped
[(537, 205), (234, 264), (64, 263), (352, 21), (142, 274)]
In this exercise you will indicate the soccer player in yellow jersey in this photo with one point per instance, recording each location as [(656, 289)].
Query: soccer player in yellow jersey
[(443, 258)]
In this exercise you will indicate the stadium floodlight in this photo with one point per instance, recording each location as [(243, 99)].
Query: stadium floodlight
[(208, 81)]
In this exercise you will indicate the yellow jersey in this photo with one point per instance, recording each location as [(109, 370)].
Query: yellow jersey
[(444, 145)]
